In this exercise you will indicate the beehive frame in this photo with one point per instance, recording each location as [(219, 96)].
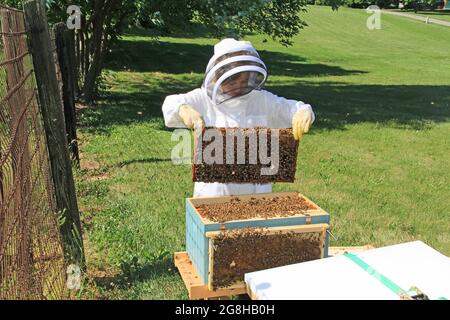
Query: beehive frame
[(302, 229), (202, 172)]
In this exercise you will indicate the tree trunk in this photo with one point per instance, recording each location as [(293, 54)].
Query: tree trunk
[(95, 52)]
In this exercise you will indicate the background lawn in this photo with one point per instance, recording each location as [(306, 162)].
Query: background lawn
[(377, 158)]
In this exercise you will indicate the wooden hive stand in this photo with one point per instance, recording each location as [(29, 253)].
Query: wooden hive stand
[(195, 287), (335, 251)]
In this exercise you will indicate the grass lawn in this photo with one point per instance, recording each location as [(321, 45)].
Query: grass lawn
[(377, 158)]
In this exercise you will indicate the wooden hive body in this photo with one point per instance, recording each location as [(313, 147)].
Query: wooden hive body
[(201, 233)]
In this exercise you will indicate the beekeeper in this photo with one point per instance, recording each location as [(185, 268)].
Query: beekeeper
[(230, 97)]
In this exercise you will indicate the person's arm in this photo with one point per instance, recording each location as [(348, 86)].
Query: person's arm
[(282, 110), (182, 110)]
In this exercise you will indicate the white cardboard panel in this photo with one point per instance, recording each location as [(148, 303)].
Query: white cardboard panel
[(408, 264)]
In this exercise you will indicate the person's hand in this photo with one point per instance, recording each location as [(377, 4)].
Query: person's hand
[(191, 117), (301, 123)]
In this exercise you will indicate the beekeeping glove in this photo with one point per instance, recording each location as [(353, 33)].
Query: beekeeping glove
[(301, 122), (191, 117)]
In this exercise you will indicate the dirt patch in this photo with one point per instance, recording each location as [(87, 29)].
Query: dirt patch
[(88, 212), (238, 209), (86, 164), (99, 284), (100, 177), (235, 252), (93, 170), (100, 279), (250, 170)]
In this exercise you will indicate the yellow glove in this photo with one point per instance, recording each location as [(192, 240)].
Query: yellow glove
[(301, 122), (191, 117)]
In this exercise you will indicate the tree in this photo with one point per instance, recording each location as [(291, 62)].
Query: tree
[(12, 3), (102, 23), (418, 5), (278, 19)]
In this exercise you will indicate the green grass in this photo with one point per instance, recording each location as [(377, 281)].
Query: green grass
[(377, 158)]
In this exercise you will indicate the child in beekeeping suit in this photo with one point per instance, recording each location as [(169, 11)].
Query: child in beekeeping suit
[(231, 97)]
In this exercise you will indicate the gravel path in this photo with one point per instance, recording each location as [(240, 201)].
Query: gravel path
[(420, 18)]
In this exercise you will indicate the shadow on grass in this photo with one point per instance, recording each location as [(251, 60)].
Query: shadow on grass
[(189, 31), (335, 104), (338, 104), (177, 58), (140, 103), (146, 160), (134, 272)]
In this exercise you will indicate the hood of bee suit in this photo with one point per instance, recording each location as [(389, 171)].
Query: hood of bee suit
[(233, 71)]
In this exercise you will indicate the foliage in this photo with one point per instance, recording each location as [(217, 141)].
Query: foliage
[(278, 19)]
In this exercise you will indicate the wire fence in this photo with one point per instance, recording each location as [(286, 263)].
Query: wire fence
[(31, 253)]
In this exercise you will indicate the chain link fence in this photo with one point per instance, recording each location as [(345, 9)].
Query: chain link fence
[(31, 252)]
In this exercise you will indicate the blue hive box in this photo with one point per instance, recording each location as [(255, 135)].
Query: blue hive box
[(200, 231)]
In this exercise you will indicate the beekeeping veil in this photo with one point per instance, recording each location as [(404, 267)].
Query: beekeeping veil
[(234, 70)]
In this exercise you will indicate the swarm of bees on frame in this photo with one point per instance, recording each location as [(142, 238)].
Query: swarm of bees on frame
[(239, 251), (249, 171), (240, 209)]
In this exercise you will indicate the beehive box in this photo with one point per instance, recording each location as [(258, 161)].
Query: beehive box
[(223, 248), (230, 170)]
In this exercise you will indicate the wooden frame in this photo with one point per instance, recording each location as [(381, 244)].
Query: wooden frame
[(195, 202), (286, 133), (335, 251), (320, 227), (195, 287), (198, 243)]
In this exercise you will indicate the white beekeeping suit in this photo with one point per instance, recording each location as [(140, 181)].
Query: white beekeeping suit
[(245, 107)]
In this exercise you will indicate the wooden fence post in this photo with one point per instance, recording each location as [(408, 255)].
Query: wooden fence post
[(73, 62), (51, 108), (62, 44)]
